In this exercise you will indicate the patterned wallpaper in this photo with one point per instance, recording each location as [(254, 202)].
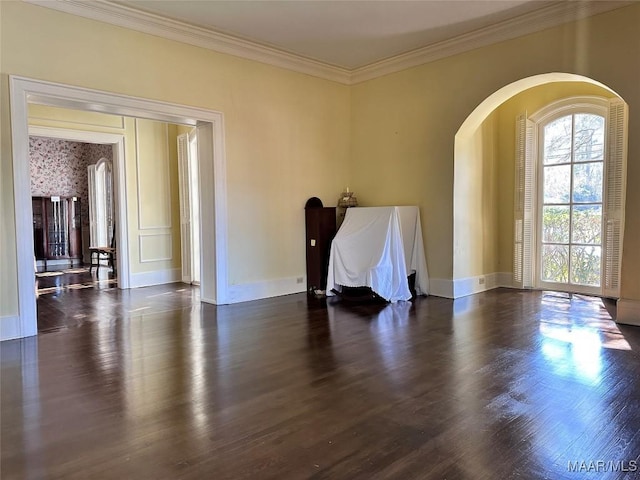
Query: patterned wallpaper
[(59, 168)]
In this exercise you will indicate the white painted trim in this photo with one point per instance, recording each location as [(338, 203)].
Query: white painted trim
[(149, 260), (552, 15), (140, 21), (84, 123), (462, 287), (266, 289), (83, 136), (213, 214), (23, 212), (10, 328), (123, 264), (570, 105), (119, 177), (212, 172), (472, 285), (441, 287), (167, 199), (628, 312), (592, 104), (157, 277)]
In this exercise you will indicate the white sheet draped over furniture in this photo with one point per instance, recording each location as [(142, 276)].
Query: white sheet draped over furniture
[(378, 247)]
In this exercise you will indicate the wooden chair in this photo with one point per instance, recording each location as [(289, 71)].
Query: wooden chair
[(99, 253)]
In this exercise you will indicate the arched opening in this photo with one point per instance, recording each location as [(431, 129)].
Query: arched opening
[(485, 147), (101, 203)]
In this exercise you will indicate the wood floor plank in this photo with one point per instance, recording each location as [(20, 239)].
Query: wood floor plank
[(149, 383)]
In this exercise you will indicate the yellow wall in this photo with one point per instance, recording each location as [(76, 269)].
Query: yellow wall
[(287, 135), (484, 181), (475, 204), (290, 136), (157, 233), (529, 101), (8, 272), (152, 181), (404, 124)]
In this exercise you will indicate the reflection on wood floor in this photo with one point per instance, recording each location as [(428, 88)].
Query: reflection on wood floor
[(149, 383), (57, 305)]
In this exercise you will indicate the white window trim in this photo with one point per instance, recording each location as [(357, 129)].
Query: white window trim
[(597, 106), (526, 271), (570, 105)]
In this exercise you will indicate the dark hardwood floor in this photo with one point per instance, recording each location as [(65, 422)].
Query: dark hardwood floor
[(66, 294), (149, 383)]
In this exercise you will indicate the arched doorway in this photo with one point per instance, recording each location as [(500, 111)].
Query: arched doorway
[(485, 247)]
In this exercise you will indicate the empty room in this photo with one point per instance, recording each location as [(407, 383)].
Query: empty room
[(353, 239)]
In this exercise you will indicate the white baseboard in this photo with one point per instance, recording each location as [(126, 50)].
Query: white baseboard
[(628, 312), (462, 287), (10, 327), (246, 292), (438, 287), (159, 277)]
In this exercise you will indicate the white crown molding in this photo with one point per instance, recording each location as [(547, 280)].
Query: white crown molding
[(547, 17), (157, 25), (115, 14)]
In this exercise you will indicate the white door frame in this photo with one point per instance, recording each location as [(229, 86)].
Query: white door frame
[(196, 266), (120, 193), (184, 187), (212, 167)]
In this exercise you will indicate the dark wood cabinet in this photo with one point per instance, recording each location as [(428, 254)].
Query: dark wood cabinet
[(320, 230), (57, 229)]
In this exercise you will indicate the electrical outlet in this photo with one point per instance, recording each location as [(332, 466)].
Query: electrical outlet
[(481, 281), (299, 279)]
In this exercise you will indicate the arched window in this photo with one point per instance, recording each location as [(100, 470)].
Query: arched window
[(101, 201), (570, 177)]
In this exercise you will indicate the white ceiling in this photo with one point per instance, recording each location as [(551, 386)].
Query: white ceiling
[(347, 41), (347, 34)]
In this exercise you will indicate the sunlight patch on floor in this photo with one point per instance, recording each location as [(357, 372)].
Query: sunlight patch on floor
[(581, 321)]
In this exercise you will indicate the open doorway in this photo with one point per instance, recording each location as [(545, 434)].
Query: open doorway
[(102, 225), (212, 186), (85, 267), (62, 179), (64, 197)]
